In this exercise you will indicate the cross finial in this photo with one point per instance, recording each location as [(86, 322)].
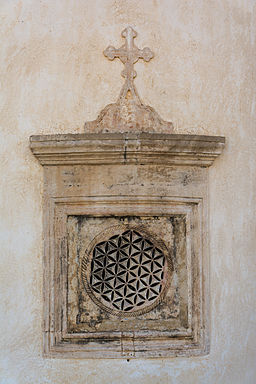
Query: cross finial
[(129, 54), (128, 113)]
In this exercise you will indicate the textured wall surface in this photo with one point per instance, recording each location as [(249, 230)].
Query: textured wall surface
[(53, 78)]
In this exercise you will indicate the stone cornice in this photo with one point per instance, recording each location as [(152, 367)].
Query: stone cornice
[(125, 148)]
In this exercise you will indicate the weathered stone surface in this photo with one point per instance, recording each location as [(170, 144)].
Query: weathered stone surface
[(137, 148), (128, 115), (106, 295)]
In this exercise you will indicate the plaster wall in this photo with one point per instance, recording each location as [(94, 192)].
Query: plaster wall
[(54, 77)]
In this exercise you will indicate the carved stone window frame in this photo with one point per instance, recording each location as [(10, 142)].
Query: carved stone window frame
[(182, 155)]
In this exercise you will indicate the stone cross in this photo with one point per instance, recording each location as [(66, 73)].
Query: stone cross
[(129, 54)]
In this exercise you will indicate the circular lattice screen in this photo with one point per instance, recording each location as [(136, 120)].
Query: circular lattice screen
[(126, 273)]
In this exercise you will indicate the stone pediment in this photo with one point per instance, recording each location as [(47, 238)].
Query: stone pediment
[(128, 115)]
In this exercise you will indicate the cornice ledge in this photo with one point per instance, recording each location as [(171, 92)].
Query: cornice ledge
[(125, 148)]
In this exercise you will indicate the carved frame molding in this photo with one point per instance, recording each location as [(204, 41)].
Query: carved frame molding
[(193, 341)]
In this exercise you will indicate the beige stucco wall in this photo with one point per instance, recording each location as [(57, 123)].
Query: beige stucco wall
[(53, 78)]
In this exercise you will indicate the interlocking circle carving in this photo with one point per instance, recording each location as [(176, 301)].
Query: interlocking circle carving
[(126, 273)]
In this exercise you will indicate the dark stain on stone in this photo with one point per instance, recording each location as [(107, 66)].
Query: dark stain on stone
[(186, 179)]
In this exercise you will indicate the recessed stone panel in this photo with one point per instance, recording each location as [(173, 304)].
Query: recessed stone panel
[(128, 268)]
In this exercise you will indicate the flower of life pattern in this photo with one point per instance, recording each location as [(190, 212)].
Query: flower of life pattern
[(127, 271)]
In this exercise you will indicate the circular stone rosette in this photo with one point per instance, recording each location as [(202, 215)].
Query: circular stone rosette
[(126, 270)]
